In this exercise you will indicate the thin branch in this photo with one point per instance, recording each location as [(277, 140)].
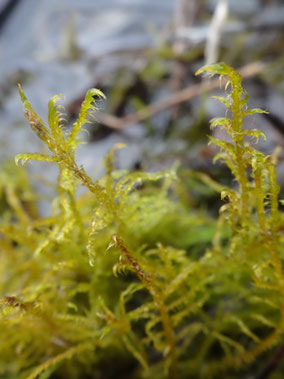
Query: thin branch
[(272, 363), (215, 32), (178, 97)]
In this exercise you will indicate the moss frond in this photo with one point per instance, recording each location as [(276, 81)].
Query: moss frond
[(129, 273)]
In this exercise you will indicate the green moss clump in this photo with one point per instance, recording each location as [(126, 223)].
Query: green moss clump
[(128, 280)]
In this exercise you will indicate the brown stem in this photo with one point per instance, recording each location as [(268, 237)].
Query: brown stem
[(272, 363), (159, 300)]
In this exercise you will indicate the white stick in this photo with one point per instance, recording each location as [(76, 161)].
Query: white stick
[(215, 32)]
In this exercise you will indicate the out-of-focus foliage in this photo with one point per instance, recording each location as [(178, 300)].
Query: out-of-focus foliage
[(129, 280)]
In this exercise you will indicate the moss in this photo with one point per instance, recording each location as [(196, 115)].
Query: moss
[(129, 279)]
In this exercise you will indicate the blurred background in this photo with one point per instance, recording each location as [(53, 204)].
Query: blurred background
[(143, 55)]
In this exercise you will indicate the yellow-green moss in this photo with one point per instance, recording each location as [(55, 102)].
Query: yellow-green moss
[(110, 285)]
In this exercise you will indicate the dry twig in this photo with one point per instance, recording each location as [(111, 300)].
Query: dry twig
[(178, 97)]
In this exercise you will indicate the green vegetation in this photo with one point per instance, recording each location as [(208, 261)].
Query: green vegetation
[(131, 280)]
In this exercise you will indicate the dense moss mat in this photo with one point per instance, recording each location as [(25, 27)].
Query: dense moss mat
[(131, 280)]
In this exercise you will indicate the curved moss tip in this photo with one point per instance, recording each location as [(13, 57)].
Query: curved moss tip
[(216, 68), (21, 92), (96, 92)]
